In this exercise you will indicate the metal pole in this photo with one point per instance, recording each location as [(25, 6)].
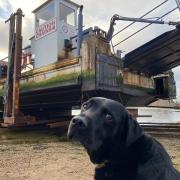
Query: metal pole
[(140, 17), (17, 63), (143, 28), (146, 20), (80, 30)]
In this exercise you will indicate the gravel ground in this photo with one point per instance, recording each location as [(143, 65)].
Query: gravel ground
[(46, 156)]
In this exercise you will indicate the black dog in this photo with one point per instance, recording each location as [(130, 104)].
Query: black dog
[(116, 142)]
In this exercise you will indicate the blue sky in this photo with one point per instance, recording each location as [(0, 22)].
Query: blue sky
[(98, 13), (5, 9)]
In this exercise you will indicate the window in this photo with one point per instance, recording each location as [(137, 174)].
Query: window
[(45, 14), (67, 14)]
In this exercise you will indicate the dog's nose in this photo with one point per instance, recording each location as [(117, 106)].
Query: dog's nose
[(78, 122)]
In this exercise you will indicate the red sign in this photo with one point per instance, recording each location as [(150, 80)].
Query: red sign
[(45, 29)]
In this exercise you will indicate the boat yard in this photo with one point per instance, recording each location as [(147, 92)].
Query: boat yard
[(63, 66)]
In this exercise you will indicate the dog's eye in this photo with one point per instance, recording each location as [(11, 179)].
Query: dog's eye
[(109, 117), (85, 106)]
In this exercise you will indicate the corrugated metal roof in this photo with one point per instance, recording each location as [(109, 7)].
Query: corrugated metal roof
[(156, 56)]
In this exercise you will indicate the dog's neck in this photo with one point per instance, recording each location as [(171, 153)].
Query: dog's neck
[(115, 153), (120, 145)]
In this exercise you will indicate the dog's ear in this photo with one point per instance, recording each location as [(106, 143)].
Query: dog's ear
[(132, 129)]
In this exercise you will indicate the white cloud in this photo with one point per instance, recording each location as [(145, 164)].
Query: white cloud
[(5, 9), (2, 55), (99, 12)]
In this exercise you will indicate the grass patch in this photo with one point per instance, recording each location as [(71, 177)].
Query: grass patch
[(87, 75), (119, 79), (56, 80), (2, 91)]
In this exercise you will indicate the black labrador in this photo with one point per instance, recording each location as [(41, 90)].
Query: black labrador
[(118, 145)]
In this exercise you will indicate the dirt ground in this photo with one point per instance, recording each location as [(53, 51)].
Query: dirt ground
[(47, 156)]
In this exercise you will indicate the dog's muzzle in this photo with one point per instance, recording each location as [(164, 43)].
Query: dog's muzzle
[(77, 125)]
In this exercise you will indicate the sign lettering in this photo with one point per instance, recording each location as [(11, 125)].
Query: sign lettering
[(45, 29)]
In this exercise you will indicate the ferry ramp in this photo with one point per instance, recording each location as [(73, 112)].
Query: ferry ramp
[(156, 56)]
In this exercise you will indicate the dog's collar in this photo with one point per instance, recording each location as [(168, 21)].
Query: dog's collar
[(101, 165)]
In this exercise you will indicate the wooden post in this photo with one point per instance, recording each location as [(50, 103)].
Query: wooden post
[(17, 62), (9, 83), (12, 114)]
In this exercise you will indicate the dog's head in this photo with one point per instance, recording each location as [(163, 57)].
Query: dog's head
[(103, 125)]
